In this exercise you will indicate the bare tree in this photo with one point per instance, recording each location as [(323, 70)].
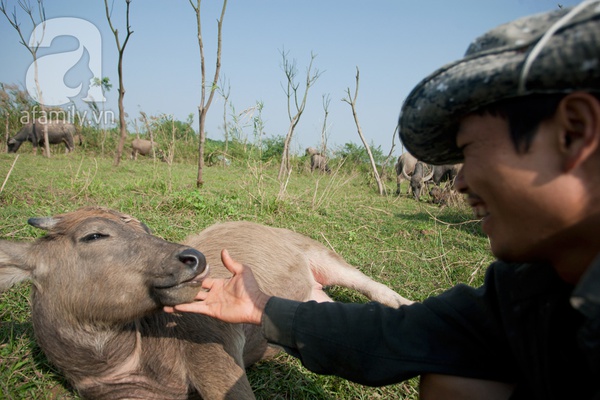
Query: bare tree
[(205, 104), (225, 94), (105, 86), (352, 101), (291, 92), (390, 154), (326, 102), (121, 49), (32, 46)]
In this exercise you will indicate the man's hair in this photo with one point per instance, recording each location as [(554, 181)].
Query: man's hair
[(524, 115)]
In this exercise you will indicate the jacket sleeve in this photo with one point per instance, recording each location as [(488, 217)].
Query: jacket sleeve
[(377, 345)]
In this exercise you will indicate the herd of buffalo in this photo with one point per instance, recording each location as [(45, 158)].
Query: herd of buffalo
[(407, 168), (417, 173)]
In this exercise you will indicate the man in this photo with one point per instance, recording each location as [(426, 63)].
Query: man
[(522, 111)]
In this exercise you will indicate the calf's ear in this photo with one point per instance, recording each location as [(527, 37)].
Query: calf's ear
[(45, 223), (13, 266)]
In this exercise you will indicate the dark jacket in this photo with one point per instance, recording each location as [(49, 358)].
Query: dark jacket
[(519, 327)]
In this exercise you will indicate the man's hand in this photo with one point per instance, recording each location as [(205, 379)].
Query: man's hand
[(235, 300)]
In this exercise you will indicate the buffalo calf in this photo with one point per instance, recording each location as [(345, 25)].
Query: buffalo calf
[(100, 281)]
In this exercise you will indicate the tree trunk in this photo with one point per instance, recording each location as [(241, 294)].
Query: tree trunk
[(352, 102), (46, 142), (122, 122), (371, 159), (285, 157), (6, 140), (201, 140), (121, 49), (40, 98)]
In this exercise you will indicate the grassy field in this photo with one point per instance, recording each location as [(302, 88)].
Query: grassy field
[(418, 249)]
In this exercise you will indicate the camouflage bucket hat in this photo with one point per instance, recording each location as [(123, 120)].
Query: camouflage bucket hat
[(554, 52)]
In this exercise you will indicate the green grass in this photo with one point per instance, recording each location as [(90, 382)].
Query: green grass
[(418, 249)]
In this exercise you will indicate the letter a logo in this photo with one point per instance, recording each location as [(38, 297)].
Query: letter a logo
[(52, 68)]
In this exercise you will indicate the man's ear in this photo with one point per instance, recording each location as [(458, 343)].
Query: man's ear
[(579, 116)]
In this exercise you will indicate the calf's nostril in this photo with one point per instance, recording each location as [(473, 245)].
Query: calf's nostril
[(190, 261), (193, 259)]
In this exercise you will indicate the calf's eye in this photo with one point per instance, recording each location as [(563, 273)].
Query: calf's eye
[(93, 236)]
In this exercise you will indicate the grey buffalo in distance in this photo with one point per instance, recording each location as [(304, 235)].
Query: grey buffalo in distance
[(445, 173), (417, 180), (406, 162), (101, 280), (317, 160), (58, 132), (405, 168), (141, 146), (145, 147)]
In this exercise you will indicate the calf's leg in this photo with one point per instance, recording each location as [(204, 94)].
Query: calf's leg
[(328, 268)]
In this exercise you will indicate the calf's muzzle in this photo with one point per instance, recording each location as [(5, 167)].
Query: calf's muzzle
[(184, 284)]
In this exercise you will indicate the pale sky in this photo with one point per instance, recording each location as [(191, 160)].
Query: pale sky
[(394, 43)]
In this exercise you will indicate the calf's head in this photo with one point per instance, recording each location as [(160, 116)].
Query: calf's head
[(101, 266)]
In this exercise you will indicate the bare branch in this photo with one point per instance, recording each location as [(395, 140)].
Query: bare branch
[(108, 18), (42, 16), (326, 102), (129, 31), (218, 61), (121, 51), (389, 156), (352, 102), (114, 30), (289, 68), (16, 25)]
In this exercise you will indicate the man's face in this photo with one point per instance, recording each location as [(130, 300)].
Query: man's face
[(517, 195)]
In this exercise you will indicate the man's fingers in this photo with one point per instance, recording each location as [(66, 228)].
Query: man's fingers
[(207, 283), (201, 295), (233, 266), (190, 307), (183, 307)]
